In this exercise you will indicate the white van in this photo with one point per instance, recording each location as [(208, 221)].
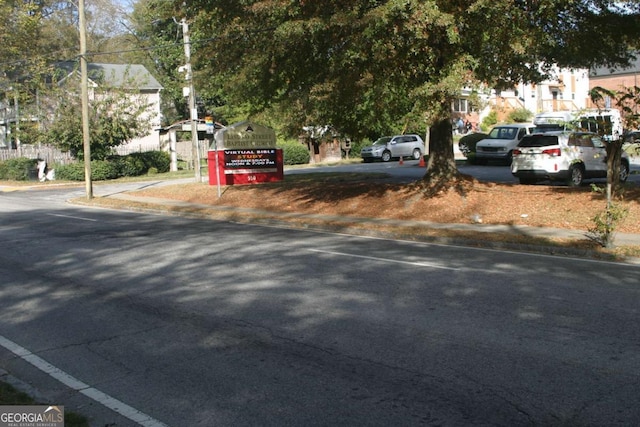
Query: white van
[(501, 142), (606, 122)]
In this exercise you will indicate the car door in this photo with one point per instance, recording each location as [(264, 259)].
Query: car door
[(399, 146), (599, 155), (593, 154)]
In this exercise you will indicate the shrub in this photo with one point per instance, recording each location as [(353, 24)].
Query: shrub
[(135, 164), (294, 153), (490, 120), (356, 147), (130, 165), (101, 170), (521, 115), (20, 169), (155, 159)]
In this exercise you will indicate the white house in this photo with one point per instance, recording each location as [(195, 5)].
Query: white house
[(138, 83), (134, 79), (567, 89)]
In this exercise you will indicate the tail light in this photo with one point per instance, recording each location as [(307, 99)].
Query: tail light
[(552, 152), (516, 152)]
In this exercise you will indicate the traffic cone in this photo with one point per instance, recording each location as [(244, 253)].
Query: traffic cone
[(401, 161), (422, 164)]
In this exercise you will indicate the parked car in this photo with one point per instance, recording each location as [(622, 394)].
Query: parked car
[(567, 156), (501, 142), (467, 145), (386, 148), (631, 143)]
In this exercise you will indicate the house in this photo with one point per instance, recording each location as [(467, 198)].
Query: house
[(615, 79), (567, 89), (134, 79)]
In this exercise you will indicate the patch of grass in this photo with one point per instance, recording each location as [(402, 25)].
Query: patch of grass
[(10, 396)]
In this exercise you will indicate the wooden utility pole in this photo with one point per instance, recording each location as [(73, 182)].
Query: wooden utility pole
[(85, 100), (193, 111)]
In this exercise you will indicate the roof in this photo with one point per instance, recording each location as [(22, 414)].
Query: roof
[(633, 68), (126, 76)]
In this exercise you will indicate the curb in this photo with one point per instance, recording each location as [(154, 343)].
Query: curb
[(349, 225)]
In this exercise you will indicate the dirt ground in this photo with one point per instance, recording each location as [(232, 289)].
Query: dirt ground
[(356, 195)]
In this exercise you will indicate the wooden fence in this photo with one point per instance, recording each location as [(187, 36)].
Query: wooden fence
[(51, 155)]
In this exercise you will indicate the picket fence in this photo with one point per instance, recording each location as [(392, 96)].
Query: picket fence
[(51, 155)]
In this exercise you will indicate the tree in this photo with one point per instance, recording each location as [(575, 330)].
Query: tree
[(627, 100), (33, 36), (117, 115), (360, 64)]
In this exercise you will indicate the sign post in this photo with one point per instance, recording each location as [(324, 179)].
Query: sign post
[(210, 131)]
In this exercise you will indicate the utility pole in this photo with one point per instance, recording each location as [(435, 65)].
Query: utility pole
[(85, 100), (193, 111)]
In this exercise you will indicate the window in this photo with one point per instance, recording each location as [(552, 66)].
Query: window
[(460, 105)]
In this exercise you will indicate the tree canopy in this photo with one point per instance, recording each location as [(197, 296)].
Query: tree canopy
[(368, 67)]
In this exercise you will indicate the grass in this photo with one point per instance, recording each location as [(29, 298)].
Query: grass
[(9, 395)]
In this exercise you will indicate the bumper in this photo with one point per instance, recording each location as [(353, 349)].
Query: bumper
[(497, 155), (541, 175)]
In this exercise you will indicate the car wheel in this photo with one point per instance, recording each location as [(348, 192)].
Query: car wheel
[(386, 156), (576, 176), (416, 154), (367, 160), (624, 171), (464, 149)]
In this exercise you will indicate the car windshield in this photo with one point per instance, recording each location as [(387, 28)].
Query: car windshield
[(382, 141), (503, 133), (538, 141)]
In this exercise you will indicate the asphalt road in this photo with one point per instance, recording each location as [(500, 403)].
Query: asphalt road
[(172, 321), (410, 171)]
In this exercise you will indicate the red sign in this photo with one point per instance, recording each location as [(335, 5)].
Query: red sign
[(245, 166)]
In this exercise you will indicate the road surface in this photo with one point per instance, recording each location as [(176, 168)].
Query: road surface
[(141, 319)]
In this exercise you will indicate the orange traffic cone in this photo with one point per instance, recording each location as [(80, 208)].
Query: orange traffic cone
[(421, 164), (401, 161)]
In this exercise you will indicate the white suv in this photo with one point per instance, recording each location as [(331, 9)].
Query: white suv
[(568, 156), (398, 146)]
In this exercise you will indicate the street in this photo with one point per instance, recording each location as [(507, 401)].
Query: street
[(409, 171), (191, 322)]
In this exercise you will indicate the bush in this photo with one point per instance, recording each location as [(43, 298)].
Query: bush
[(521, 115), (135, 164), (294, 153), (159, 160), (20, 169), (356, 147), (129, 165), (101, 170), (490, 120)]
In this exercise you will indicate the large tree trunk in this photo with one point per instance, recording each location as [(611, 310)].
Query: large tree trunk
[(442, 172)]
